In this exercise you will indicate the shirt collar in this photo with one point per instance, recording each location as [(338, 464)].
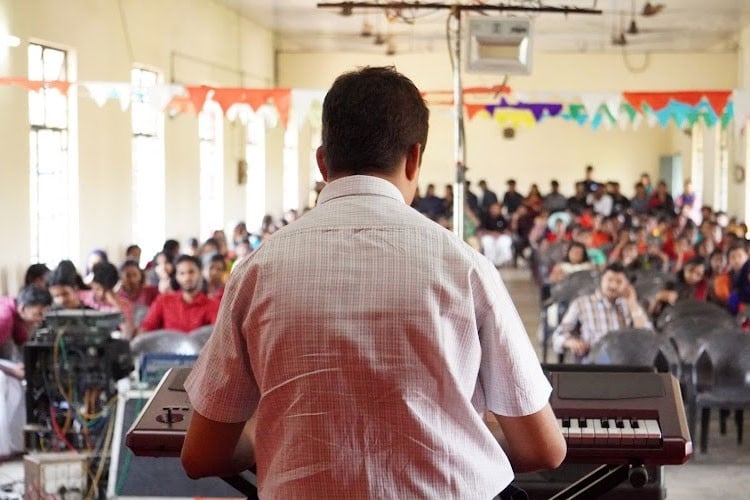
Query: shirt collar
[(359, 185)]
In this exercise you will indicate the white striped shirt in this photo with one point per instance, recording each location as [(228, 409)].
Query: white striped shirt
[(371, 341)]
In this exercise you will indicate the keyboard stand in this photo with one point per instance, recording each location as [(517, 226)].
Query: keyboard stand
[(603, 479)]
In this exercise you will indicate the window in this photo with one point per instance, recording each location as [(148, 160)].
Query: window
[(53, 176), (291, 167), (255, 152), (210, 132), (148, 164)]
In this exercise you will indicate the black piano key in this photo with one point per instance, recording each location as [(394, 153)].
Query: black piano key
[(582, 423), (619, 423), (566, 422), (634, 424), (605, 423)]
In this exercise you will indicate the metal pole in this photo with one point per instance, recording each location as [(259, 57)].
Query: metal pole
[(460, 153)]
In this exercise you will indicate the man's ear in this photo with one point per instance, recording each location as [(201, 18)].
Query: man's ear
[(413, 161), (322, 167)]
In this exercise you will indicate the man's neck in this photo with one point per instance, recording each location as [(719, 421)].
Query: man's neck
[(189, 297)]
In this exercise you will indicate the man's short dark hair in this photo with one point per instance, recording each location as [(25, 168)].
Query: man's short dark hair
[(188, 258), (371, 118), (615, 267), (34, 296), (105, 273)]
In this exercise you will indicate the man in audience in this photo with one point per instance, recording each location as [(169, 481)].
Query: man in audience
[(588, 182), (579, 201), (485, 198), (639, 201), (494, 234), (512, 199), (186, 309), (317, 318), (612, 307), (430, 204), (554, 201), (17, 317)]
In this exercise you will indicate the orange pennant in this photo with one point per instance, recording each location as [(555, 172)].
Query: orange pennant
[(197, 96), (473, 109), (282, 99), (660, 100)]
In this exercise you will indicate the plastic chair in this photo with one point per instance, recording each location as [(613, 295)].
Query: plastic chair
[(166, 342), (636, 347), (690, 308), (202, 334), (648, 282), (721, 375)]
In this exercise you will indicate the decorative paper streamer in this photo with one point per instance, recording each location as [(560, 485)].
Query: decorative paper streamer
[(538, 109), (515, 117)]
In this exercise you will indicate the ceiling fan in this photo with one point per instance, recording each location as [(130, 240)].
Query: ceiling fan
[(619, 38)]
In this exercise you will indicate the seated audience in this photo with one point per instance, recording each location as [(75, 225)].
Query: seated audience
[(133, 252), (96, 256), (588, 318), (186, 309), (102, 296)]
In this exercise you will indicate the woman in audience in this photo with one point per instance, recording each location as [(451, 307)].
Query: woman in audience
[(133, 288), (575, 260), (214, 276), (162, 273), (64, 285), (96, 256), (691, 283), (102, 296), (534, 200)]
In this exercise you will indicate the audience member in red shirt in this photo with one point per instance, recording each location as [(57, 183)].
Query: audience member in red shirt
[(186, 309), (133, 286)]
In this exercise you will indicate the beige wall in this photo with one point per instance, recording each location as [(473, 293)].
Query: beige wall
[(188, 41), (553, 148)]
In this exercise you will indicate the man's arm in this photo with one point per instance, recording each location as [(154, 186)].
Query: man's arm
[(220, 449), (563, 337), (155, 317), (532, 442)]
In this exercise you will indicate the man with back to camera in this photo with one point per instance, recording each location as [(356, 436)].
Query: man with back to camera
[(366, 341)]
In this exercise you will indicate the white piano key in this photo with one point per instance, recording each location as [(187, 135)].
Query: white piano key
[(641, 433), (563, 429), (654, 433), (627, 436), (601, 435), (574, 433), (615, 434), (587, 432)]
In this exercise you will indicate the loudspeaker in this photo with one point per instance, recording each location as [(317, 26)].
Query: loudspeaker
[(138, 477)]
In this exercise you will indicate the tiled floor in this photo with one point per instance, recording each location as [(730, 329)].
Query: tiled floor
[(723, 473)]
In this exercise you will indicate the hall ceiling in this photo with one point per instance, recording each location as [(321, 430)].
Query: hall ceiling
[(681, 25)]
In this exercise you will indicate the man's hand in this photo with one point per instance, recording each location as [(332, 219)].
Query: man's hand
[(578, 346)]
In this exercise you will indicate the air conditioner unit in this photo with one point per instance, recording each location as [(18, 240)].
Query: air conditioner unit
[(499, 45)]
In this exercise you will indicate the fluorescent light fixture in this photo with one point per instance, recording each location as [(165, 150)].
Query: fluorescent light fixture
[(10, 41)]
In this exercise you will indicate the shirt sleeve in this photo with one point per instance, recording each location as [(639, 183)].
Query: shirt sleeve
[(510, 374), (566, 327), (155, 317), (222, 386)]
